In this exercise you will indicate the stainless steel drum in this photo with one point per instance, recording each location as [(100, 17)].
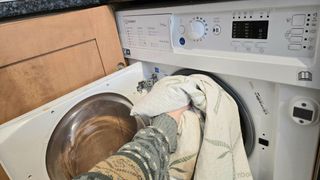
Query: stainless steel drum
[(90, 132)]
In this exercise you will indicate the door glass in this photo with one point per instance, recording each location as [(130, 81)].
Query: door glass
[(90, 132)]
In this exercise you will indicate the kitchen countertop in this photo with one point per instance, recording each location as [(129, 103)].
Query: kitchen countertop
[(24, 7), (20, 8)]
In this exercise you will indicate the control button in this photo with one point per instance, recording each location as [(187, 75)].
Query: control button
[(261, 45), (236, 43), (182, 41), (216, 29), (294, 46), (296, 39), (248, 44), (298, 20), (297, 31), (181, 29)]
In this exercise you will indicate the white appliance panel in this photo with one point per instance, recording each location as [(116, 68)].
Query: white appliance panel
[(231, 38)]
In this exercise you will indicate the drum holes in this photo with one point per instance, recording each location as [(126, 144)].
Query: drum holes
[(52, 111), (29, 176)]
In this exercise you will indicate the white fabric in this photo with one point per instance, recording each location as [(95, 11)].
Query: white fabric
[(222, 155), (183, 160)]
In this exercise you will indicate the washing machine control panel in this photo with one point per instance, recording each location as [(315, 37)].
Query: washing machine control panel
[(276, 31)]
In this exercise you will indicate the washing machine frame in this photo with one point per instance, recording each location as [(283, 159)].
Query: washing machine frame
[(269, 81)]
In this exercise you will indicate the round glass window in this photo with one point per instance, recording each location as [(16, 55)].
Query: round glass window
[(90, 132)]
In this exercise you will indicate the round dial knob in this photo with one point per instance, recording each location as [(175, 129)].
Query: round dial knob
[(196, 30)]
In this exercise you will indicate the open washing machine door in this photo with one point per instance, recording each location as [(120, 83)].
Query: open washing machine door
[(91, 131), (70, 134), (246, 122)]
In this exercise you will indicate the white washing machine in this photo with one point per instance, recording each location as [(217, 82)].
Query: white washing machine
[(265, 54)]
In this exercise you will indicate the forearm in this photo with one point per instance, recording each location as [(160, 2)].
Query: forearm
[(152, 146), (146, 156)]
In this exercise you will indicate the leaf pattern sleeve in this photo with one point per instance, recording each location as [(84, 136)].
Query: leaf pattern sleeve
[(145, 157)]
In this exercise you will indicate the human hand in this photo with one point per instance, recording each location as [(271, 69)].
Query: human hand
[(176, 114)]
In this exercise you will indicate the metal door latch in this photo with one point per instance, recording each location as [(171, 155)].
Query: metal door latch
[(147, 84)]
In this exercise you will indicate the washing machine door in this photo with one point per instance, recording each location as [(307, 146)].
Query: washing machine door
[(246, 122), (90, 132)]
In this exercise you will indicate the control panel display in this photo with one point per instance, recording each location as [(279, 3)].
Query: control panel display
[(302, 113), (285, 32), (250, 29)]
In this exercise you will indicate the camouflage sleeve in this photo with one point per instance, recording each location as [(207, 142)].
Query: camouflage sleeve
[(145, 157)]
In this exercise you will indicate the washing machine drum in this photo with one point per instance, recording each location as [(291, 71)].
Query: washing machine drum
[(246, 122), (91, 131)]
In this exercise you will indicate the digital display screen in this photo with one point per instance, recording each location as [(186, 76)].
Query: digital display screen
[(250, 29), (302, 113)]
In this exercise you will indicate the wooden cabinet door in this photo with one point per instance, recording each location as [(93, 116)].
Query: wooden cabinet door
[(46, 57)]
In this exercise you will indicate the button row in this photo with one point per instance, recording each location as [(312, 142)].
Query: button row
[(302, 37), (249, 44)]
